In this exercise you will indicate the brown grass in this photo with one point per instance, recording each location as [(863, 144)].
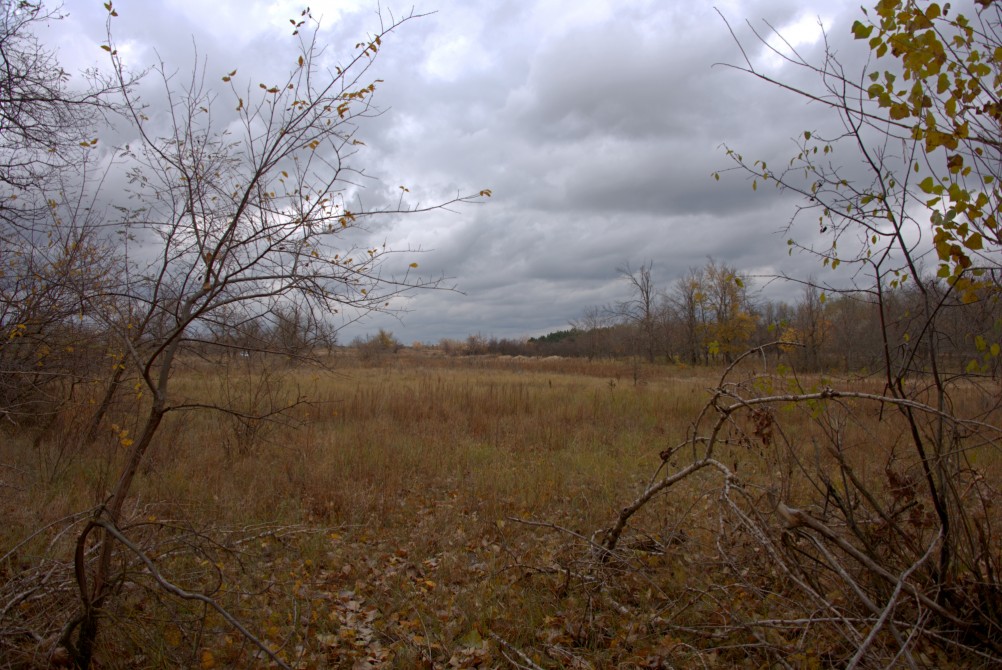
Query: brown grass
[(386, 523)]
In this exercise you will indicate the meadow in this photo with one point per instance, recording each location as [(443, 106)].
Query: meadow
[(414, 510)]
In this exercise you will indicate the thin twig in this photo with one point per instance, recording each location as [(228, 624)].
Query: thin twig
[(72, 518), (889, 608), (804, 519), (188, 595), (505, 645)]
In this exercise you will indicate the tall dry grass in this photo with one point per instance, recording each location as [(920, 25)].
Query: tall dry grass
[(414, 511)]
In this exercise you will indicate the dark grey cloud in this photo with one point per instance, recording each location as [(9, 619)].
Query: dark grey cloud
[(597, 125)]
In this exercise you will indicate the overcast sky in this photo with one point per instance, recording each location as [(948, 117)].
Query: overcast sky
[(597, 124)]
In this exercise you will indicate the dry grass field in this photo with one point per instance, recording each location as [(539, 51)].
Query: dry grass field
[(416, 511)]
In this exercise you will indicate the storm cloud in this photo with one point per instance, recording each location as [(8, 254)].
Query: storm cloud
[(597, 125)]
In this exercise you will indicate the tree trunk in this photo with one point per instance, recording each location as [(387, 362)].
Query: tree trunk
[(103, 406), (93, 601)]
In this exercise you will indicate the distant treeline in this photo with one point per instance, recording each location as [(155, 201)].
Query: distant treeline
[(708, 317)]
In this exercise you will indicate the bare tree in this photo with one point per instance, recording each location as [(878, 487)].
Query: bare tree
[(42, 121), (687, 299), (809, 326), (594, 326), (642, 309), (232, 226), (299, 333), (53, 255)]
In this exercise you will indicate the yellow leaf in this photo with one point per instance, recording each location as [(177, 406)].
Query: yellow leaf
[(172, 637)]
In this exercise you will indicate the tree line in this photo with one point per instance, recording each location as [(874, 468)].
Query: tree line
[(711, 314)]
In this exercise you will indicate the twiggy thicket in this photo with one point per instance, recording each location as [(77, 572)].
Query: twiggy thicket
[(881, 544), (236, 232)]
